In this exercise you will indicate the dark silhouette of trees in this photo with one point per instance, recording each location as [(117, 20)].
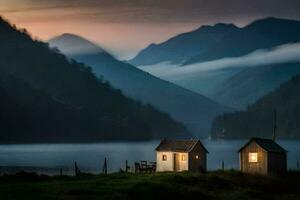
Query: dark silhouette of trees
[(47, 98), (258, 119)]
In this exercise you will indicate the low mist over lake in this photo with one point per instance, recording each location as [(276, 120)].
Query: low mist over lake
[(49, 158)]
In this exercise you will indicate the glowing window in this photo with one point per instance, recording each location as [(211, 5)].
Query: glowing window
[(164, 157), (183, 158), (197, 157), (252, 157)]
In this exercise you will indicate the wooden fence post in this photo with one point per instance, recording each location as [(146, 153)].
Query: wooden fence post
[(76, 169), (223, 165), (126, 166), (104, 170)]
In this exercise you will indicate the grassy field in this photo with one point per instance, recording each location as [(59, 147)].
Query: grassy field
[(212, 185)]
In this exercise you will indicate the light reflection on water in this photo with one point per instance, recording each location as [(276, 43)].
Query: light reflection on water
[(49, 158)]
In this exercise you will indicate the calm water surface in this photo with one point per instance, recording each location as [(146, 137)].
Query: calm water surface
[(49, 158)]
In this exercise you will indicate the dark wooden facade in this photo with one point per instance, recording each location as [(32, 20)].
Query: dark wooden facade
[(262, 156), (198, 158)]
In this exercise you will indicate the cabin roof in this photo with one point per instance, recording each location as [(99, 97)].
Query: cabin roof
[(267, 144), (179, 145)]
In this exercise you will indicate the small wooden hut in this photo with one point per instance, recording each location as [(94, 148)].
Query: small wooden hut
[(263, 156), (181, 155)]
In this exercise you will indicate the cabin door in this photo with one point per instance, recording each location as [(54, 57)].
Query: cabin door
[(176, 162)]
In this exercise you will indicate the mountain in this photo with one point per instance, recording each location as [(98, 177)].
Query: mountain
[(184, 46), (248, 85), (261, 34), (48, 98), (194, 110), (27, 112), (194, 77), (75, 45), (258, 119), (220, 41), (235, 82)]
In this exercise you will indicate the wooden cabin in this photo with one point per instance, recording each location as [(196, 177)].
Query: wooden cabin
[(181, 155), (263, 156)]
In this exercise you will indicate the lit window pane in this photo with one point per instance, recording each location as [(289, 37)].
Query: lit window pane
[(183, 157), (164, 157), (253, 157)]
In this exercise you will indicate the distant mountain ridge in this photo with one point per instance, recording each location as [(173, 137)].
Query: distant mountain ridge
[(192, 109), (184, 46), (239, 85), (258, 119), (260, 34), (220, 41), (47, 98)]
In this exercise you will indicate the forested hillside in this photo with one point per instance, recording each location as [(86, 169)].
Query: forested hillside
[(65, 100), (193, 110), (258, 120)]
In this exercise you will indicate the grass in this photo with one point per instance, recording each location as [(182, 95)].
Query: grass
[(229, 185)]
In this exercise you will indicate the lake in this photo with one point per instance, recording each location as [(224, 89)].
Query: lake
[(49, 158)]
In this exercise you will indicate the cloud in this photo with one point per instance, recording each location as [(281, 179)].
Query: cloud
[(281, 54)]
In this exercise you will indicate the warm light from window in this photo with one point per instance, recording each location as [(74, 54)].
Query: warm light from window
[(164, 157), (197, 157), (253, 157), (183, 157)]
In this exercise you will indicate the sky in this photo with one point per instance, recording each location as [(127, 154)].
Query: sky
[(126, 26)]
